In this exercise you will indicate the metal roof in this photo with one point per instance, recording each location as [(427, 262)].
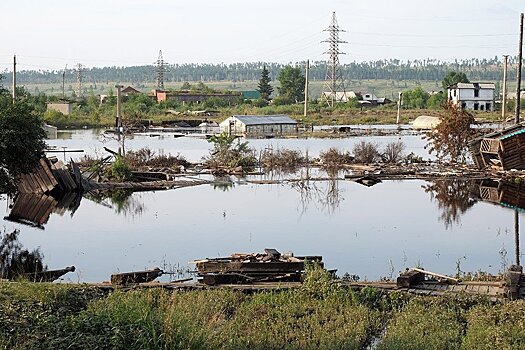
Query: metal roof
[(264, 119), (490, 86)]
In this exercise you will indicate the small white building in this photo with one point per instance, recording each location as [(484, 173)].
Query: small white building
[(258, 125), (472, 96), (63, 106)]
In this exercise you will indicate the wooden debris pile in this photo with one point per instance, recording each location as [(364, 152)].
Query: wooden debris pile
[(51, 174), (238, 268)]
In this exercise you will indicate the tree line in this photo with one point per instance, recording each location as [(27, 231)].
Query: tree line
[(386, 69)]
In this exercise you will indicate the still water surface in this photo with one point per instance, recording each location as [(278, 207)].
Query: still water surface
[(372, 232)]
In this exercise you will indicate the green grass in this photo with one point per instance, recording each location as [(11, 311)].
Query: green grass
[(320, 315)]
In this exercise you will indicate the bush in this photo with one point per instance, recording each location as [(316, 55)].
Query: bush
[(335, 158), (119, 170), (227, 152), (283, 159), (393, 152), (145, 157), (366, 152)]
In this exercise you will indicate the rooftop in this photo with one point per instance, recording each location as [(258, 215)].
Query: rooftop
[(264, 119)]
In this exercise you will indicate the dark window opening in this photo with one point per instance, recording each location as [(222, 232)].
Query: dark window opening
[(488, 107), (476, 106), (476, 92), (463, 105)]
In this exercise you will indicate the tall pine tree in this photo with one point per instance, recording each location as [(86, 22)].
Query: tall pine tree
[(264, 86)]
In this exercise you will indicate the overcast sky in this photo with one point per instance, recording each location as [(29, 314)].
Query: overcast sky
[(50, 34)]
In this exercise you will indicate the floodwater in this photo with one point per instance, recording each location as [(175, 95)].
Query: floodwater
[(193, 148), (372, 232)]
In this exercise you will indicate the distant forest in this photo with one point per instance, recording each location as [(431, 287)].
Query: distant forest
[(392, 69)]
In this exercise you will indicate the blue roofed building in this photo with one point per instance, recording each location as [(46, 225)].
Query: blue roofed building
[(259, 125)]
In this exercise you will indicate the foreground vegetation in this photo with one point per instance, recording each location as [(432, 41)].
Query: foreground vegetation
[(320, 315)]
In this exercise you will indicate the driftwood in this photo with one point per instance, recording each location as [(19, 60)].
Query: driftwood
[(136, 277), (49, 275)]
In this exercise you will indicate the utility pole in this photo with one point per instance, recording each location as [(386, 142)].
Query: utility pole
[(118, 120), (399, 108), (504, 95), (79, 80), (64, 83), (306, 87), (14, 78), (334, 76), (517, 236), (518, 78)]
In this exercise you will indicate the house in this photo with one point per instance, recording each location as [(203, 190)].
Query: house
[(259, 125), (472, 96), (129, 90), (340, 96), (195, 97), (63, 106)]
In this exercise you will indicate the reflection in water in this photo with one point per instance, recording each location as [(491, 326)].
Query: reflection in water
[(326, 193), (223, 183), (509, 195), (453, 197), (123, 201), (34, 209), (16, 261)]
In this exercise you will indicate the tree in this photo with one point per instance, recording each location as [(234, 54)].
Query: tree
[(21, 140), (264, 86), (416, 98), (292, 83), (449, 140), (452, 78)]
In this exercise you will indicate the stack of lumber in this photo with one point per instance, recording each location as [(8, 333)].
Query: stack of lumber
[(50, 174), (270, 266)]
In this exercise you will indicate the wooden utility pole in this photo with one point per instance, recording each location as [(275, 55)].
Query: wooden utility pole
[(119, 109), (399, 108), (518, 78), (64, 83), (504, 94), (306, 87), (517, 236), (14, 78)]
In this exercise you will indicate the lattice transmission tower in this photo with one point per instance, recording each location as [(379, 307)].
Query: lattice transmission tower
[(160, 70), (334, 87)]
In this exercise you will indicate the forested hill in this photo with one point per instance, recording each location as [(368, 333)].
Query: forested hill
[(417, 70)]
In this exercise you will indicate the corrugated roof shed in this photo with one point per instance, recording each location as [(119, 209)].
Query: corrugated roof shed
[(264, 119)]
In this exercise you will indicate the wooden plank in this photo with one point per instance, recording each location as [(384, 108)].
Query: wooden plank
[(249, 267), (45, 179), (47, 170)]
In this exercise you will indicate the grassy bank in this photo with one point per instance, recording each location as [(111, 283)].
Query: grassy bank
[(320, 315)]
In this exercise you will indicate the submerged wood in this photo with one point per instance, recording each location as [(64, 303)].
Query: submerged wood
[(48, 275), (136, 277)]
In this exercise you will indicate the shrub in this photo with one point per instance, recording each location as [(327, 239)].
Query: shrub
[(145, 157), (366, 152), (335, 158), (393, 152), (119, 170), (283, 159), (229, 152)]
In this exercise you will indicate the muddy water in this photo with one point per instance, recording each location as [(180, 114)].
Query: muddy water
[(372, 232)]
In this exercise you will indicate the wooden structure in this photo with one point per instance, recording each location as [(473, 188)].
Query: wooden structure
[(504, 149), (271, 266), (48, 175)]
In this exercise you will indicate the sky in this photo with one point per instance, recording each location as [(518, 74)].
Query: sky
[(48, 35)]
